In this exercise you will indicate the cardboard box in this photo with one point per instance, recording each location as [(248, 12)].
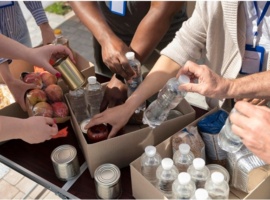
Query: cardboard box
[(123, 149), (143, 189)]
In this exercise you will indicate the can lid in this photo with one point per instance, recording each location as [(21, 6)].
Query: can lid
[(63, 154), (107, 175), (83, 124)]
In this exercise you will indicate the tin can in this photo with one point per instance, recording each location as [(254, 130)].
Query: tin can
[(65, 162), (107, 181), (70, 73)]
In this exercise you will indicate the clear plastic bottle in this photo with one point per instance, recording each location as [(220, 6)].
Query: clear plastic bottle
[(217, 187), (199, 172), (93, 95), (78, 104), (201, 194), (183, 187), (150, 160), (166, 175), (183, 158), (168, 98), (227, 140), (136, 80), (59, 38)]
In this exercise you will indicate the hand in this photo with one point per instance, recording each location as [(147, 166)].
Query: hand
[(209, 83), (113, 55), (117, 117), (258, 102), (47, 128), (252, 124), (47, 33), (41, 56), (115, 94), (18, 89)]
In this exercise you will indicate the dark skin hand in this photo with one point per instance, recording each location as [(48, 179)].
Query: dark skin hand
[(151, 30)]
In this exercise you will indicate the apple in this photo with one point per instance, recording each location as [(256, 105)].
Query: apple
[(32, 77), (36, 95), (54, 93), (48, 78), (60, 109), (43, 109)]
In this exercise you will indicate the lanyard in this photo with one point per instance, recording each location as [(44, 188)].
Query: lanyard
[(259, 19)]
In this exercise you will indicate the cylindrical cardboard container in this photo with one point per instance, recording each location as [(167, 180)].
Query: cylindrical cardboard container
[(70, 73), (65, 162), (107, 181)]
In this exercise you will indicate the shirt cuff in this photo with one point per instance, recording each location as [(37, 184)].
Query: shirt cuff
[(2, 60), (40, 16)]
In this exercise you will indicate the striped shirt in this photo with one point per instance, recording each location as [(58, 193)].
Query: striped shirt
[(13, 24)]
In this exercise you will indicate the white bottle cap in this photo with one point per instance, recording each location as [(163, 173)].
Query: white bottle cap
[(182, 79), (167, 163), (184, 178), (150, 151), (92, 79), (130, 55), (201, 193), (184, 148), (198, 163), (217, 177)]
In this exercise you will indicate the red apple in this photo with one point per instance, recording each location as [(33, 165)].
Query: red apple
[(54, 93), (43, 109), (33, 77), (48, 78), (36, 95), (60, 109)]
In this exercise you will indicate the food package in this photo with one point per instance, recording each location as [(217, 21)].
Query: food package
[(47, 99), (246, 170), (190, 136)]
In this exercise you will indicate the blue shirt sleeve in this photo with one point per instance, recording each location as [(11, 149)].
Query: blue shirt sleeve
[(37, 11)]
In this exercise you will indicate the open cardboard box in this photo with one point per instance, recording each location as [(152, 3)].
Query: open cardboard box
[(123, 149), (143, 189)]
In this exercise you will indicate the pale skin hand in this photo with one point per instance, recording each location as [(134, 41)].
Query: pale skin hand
[(252, 124), (32, 130)]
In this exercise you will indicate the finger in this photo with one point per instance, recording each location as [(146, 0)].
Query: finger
[(238, 131), (113, 132), (245, 108), (190, 87), (49, 121), (104, 104), (127, 68), (96, 120)]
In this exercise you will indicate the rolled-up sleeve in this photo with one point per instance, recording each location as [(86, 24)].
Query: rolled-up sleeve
[(37, 11)]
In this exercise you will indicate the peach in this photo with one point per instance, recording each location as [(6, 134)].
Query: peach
[(54, 93), (43, 109), (60, 109), (48, 78), (36, 95)]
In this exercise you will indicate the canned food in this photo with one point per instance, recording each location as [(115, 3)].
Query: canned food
[(65, 162), (70, 73), (107, 181)]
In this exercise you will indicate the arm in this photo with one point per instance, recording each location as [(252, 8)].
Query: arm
[(252, 124), (212, 85), (26, 129), (153, 27), (37, 11)]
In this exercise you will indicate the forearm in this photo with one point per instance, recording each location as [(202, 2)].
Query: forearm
[(255, 85), (163, 70), (10, 128), (153, 27), (92, 18), (5, 73)]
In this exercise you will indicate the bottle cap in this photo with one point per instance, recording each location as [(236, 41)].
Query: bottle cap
[(217, 177), (182, 79), (150, 151), (57, 31), (184, 178), (198, 163), (184, 148), (92, 79), (167, 163), (201, 193), (130, 55)]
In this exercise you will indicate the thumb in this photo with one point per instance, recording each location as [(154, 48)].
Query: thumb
[(113, 132), (48, 67)]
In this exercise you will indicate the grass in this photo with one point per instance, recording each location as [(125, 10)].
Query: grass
[(59, 8)]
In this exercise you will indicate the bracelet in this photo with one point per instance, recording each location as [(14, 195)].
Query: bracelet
[(120, 78)]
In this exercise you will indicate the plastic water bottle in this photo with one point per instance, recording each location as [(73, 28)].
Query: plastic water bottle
[(227, 140), (201, 194), (183, 187), (183, 158), (134, 83), (168, 98), (199, 172), (78, 104), (59, 38), (150, 160), (217, 187), (166, 175), (93, 95)]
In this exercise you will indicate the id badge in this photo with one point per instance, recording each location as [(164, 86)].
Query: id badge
[(118, 7), (4, 4), (253, 60)]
